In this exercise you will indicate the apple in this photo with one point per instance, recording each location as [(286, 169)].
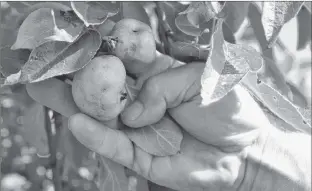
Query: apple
[(135, 45), (99, 88)]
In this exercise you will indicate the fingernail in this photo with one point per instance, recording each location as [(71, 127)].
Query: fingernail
[(134, 111)]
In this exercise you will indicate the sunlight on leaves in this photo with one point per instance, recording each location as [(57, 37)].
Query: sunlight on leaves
[(56, 58), (46, 24), (194, 20), (275, 15), (95, 12), (226, 65), (270, 72), (278, 104), (236, 13)]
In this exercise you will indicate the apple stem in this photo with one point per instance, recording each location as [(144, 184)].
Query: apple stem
[(110, 42)]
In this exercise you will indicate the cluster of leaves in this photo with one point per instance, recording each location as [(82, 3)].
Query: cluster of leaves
[(53, 39), (229, 64)]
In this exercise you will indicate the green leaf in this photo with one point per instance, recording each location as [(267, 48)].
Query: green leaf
[(307, 4), (30, 6), (21, 6), (278, 104), (161, 139), (254, 17), (156, 187), (236, 13), (25, 8), (56, 58), (304, 29), (275, 15), (45, 25), (228, 35), (299, 98), (305, 113), (269, 73), (54, 94), (188, 51), (171, 10), (112, 176), (95, 12), (203, 11), (105, 28), (11, 61), (134, 10), (275, 120), (195, 19), (226, 65), (183, 23), (34, 131)]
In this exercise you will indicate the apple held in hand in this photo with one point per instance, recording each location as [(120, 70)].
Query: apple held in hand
[(99, 88), (135, 45)]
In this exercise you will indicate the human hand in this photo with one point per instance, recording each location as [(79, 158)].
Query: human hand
[(46, 93), (231, 123), (179, 89), (196, 167)]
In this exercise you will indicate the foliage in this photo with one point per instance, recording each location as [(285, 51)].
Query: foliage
[(44, 43), (155, 139)]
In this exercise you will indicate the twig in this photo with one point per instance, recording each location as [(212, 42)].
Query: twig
[(0, 139), (161, 29), (283, 47), (169, 33), (53, 149), (213, 28)]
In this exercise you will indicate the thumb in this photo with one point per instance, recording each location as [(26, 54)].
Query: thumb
[(162, 91)]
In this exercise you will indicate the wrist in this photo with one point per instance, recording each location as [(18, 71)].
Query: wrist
[(278, 161)]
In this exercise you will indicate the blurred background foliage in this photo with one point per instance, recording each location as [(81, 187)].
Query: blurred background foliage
[(28, 161)]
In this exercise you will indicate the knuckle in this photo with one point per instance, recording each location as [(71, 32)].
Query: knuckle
[(229, 169), (152, 85)]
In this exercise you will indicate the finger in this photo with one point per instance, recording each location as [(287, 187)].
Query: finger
[(110, 143), (161, 63), (54, 94), (165, 90)]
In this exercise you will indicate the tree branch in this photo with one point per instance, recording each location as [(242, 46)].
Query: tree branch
[(162, 30), (0, 128), (53, 151)]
